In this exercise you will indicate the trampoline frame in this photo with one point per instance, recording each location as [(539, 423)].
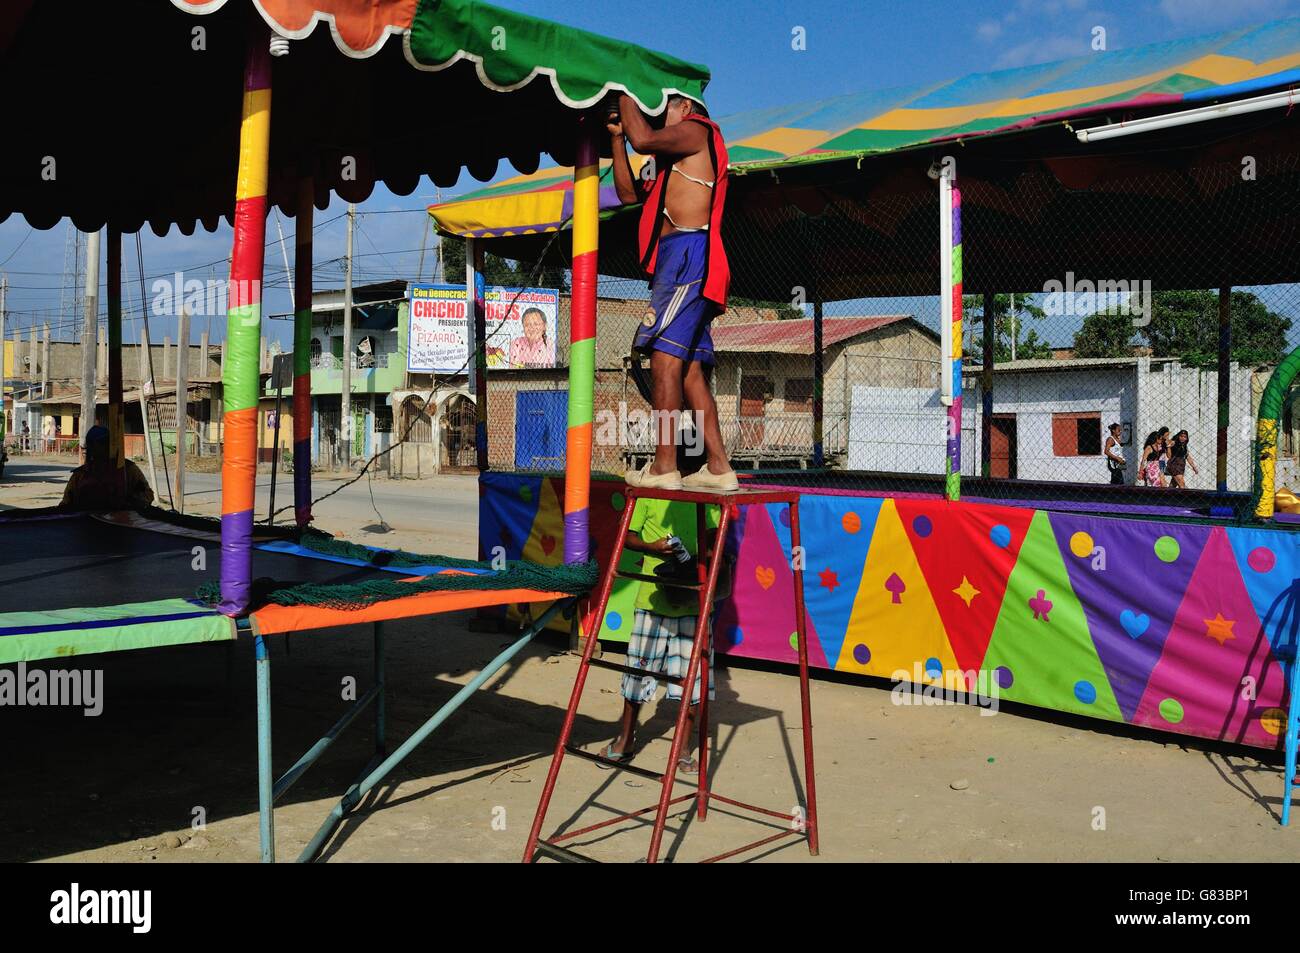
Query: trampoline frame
[(381, 764)]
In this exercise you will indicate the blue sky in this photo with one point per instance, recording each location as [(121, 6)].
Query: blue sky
[(851, 45)]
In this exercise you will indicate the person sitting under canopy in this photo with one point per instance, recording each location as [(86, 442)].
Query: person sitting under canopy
[(94, 485)]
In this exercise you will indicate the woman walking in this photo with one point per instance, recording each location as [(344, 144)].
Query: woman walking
[(1153, 449), (1179, 460)]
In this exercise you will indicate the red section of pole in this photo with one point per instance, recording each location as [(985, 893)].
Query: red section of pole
[(116, 412), (688, 688), (805, 703), (703, 556), (593, 629)]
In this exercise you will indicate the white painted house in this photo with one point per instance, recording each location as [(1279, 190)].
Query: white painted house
[(1050, 418)]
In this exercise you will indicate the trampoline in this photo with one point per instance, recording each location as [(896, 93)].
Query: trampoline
[(63, 578)]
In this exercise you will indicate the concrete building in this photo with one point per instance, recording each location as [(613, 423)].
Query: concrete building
[(764, 385), (1050, 417)]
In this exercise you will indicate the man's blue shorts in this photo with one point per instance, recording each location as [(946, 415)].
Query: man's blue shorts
[(678, 318)]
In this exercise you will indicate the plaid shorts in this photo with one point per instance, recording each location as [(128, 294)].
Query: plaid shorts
[(662, 644)]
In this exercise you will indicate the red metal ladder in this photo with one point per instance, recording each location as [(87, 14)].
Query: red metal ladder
[(709, 565)]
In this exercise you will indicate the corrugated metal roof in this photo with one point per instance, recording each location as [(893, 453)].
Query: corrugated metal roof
[(795, 336)]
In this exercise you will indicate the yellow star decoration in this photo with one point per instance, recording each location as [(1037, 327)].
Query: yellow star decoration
[(966, 591), (1219, 628)]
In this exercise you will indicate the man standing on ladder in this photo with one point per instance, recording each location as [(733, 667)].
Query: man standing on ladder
[(680, 245)]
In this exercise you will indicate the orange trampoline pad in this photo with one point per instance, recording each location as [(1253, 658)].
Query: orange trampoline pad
[(274, 619)]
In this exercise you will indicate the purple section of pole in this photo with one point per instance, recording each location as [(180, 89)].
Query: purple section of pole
[(954, 434), (236, 564), (956, 217), (302, 480), (257, 70), (575, 536)]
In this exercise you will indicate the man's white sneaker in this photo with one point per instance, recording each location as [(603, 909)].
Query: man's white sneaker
[(704, 479), (644, 479)]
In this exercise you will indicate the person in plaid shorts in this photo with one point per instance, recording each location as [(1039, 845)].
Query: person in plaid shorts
[(663, 627)]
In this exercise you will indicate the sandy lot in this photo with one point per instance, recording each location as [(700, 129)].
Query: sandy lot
[(177, 741)]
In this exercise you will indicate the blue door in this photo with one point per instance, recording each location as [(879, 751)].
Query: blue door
[(541, 422)]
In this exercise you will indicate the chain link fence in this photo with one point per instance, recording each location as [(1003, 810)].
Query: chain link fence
[(1096, 297)]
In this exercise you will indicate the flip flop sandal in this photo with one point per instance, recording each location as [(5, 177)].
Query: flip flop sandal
[(618, 757)]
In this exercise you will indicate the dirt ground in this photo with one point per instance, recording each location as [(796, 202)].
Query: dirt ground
[(177, 741)]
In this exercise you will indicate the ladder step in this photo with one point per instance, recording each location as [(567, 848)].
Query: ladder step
[(636, 672), (666, 582), (562, 853), (620, 765)]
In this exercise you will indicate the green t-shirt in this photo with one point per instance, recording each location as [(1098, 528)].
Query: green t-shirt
[(653, 520)]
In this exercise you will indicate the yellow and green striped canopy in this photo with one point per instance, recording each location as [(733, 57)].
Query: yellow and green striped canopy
[(1168, 75)]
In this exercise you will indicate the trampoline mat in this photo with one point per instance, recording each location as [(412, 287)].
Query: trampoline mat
[(49, 564)]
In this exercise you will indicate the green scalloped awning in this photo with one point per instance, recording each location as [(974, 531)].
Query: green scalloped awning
[(582, 67), (369, 92)]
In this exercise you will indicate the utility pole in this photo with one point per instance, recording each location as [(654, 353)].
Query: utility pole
[(182, 401), (89, 338), (146, 392), (346, 423)]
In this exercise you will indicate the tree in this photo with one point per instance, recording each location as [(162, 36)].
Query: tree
[(1185, 325), (1105, 334), (785, 311), (1008, 325), (497, 270)]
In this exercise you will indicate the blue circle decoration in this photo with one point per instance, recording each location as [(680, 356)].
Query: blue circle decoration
[(933, 668), (735, 636), (1085, 692), (1000, 535), (922, 526), (613, 620)]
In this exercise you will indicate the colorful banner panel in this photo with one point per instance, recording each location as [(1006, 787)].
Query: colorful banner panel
[(1179, 627)]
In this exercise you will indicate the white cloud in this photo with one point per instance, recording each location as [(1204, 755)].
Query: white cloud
[(1043, 50), (989, 30)]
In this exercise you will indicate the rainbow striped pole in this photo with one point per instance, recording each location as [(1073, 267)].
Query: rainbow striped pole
[(950, 324), (582, 347), (240, 377), (116, 430), (302, 352)]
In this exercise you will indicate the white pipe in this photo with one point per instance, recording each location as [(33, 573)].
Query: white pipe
[(1201, 114), (945, 289)]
